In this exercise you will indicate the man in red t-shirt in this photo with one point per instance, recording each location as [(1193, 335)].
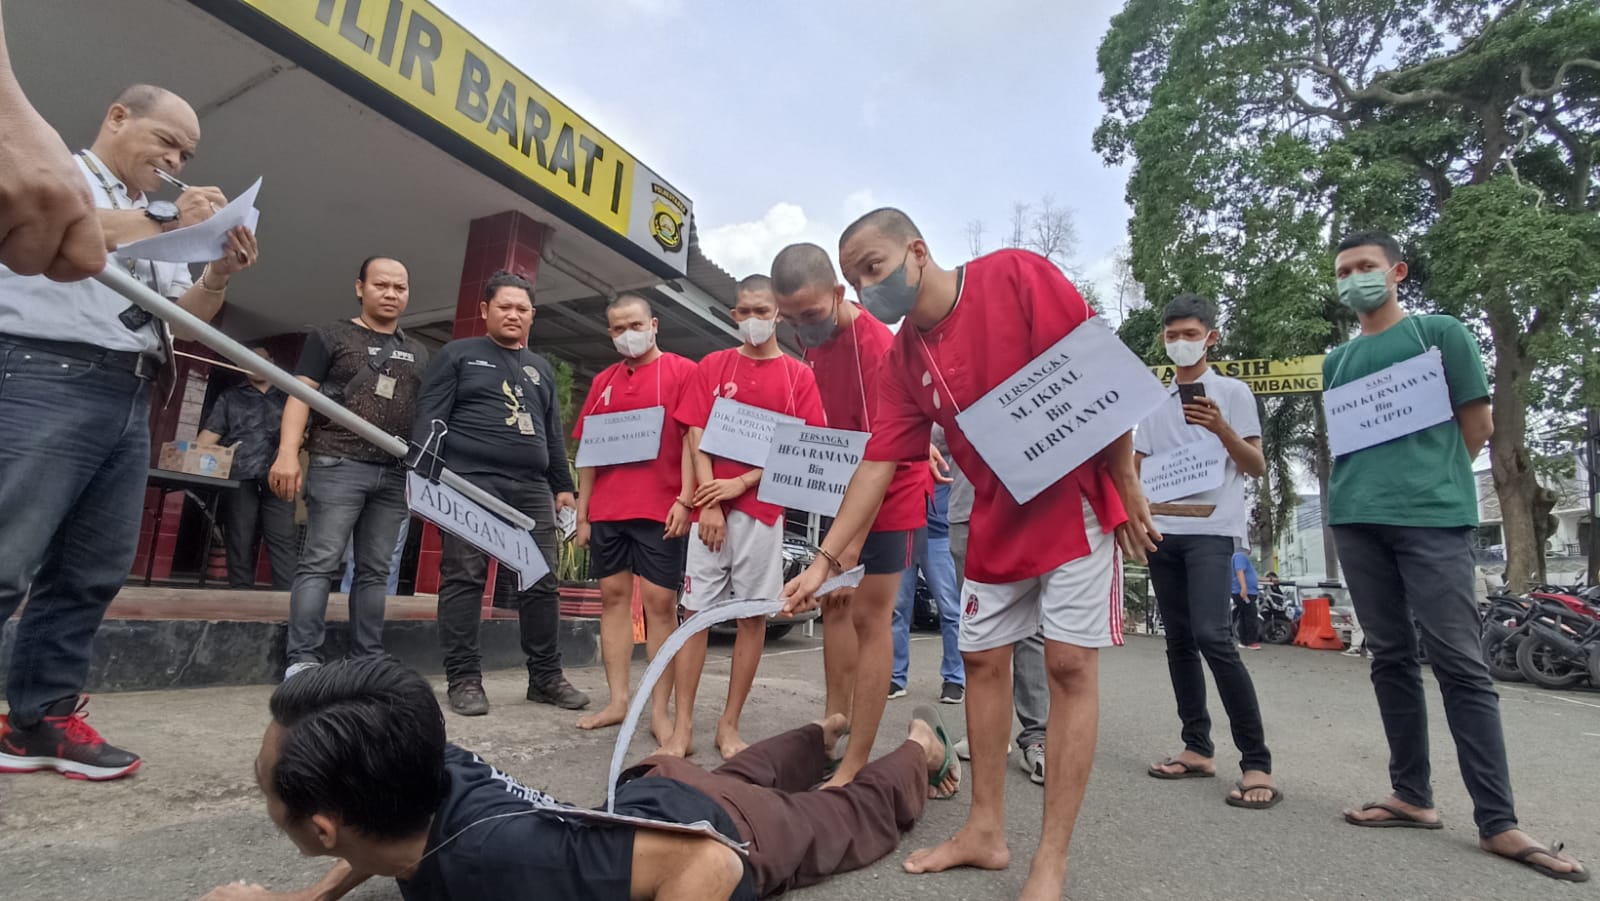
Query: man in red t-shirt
[(1049, 564), (845, 346), (633, 514), (737, 548)]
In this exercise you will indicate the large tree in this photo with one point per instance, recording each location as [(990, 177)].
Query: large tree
[(1262, 130)]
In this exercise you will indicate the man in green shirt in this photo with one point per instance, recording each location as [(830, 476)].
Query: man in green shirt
[(1402, 513)]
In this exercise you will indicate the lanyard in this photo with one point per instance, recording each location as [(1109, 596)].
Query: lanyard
[(787, 377), (1415, 329), (512, 358), (111, 195)]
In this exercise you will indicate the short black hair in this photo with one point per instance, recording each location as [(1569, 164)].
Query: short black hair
[(362, 275), (505, 279), (1374, 238), (753, 283), (800, 266), (363, 741), (142, 99), (629, 299), (888, 220), (1190, 306)]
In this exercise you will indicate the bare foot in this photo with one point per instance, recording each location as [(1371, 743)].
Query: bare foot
[(1509, 843), (661, 727), (679, 744), (728, 741), (923, 734), (610, 715), (1176, 764), (833, 728), (1377, 814), (966, 848), (1254, 795), (1046, 880)]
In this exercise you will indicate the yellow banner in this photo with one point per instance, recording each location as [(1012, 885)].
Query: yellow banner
[(1301, 375), (421, 56)]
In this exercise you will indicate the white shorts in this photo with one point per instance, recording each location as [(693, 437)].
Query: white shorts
[(1077, 603), (749, 566)]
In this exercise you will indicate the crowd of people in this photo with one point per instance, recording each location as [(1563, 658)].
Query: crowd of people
[(355, 763)]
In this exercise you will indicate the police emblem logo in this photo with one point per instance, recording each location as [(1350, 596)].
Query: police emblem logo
[(532, 373)]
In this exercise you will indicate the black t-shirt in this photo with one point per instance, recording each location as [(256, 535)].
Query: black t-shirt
[(251, 419), (479, 389), (486, 841), (340, 358)]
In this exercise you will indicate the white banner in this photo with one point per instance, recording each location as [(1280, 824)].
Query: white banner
[(1062, 408), (1407, 397), (741, 432), (633, 436), (808, 468), (1183, 471), (452, 511)]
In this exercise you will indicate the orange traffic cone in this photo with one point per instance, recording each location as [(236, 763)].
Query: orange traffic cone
[(1316, 627)]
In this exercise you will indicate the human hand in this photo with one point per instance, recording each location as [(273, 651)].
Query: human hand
[(719, 491), (799, 594), (48, 224), (580, 538), (939, 466), (566, 499), (678, 520), (239, 253), (196, 205), (249, 891), (1138, 536), (285, 477), (713, 527), (1204, 412)]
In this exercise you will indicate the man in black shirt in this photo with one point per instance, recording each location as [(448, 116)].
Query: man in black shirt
[(499, 401), (355, 765), (247, 417), (374, 369)]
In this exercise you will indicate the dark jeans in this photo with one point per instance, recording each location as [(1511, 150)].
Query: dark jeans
[(1190, 576), (344, 498), (250, 513), (1400, 573), (74, 454), (464, 573), (1248, 608)]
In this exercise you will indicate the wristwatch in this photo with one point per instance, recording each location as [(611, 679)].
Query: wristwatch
[(162, 212)]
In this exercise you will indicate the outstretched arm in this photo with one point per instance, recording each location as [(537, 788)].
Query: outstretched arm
[(341, 880)]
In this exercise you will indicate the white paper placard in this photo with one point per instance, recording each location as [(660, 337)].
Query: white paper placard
[(741, 432), (1060, 409), (1183, 471), (808, 467), (1407, 397), (203, 241), (462, 517), (611, 439)]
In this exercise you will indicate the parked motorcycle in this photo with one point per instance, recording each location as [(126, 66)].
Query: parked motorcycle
[(1556, 651)]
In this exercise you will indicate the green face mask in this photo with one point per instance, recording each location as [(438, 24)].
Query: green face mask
[(1365, 291)]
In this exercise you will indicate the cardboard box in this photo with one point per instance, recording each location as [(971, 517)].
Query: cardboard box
[(186, 456)]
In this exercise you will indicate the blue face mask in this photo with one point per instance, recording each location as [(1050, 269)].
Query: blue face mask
[(891, 299), (1365, 291)]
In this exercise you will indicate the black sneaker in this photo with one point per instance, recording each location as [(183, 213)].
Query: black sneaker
[(64, 742), (467, 698), (896, 690), (952, 693), (559, 692)]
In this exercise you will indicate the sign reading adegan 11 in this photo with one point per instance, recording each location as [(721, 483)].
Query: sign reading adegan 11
[(462, 517), (424, 59)]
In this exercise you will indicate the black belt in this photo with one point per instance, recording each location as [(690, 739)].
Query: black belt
[(144, 365)]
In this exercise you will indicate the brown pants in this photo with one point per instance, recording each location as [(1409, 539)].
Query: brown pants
[(799, 837)]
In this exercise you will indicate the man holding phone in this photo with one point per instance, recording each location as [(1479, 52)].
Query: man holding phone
[(1197, 453)]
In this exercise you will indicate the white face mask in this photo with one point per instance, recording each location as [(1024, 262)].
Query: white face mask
[(757, 332), (634, 342), (1186, 353)]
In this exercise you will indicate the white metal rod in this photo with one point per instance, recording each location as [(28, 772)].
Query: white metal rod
[(140, 294)]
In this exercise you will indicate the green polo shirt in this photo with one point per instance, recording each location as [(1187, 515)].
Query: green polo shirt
[(1424, 478)]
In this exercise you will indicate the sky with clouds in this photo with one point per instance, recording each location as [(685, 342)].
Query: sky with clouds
[(785, 119)]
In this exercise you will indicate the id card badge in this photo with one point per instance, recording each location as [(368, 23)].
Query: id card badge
[(385, 387), (525, 422)]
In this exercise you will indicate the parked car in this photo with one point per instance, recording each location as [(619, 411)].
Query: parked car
[(797, 555)]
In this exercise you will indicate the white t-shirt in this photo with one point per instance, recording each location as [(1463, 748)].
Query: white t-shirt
[(1165, 430)]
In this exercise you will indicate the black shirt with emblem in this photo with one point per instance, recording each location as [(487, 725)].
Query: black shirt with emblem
[(341, 357), (250, 418), (479, 388)]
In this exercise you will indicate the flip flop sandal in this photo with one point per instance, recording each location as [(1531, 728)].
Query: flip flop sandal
[(1399, 819), (931, 716), (1189, 772), (1525, 857), (1254, 805)]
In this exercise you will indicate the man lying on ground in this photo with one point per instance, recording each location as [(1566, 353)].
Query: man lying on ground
[(355, 765)]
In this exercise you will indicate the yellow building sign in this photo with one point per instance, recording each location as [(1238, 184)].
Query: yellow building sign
[(1302, 375)]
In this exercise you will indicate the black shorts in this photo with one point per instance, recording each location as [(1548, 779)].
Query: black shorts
[(636, 546), (890, 552)]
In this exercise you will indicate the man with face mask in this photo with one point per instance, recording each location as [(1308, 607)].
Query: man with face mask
[(1049, 562), (498, 401), (1402, 513), (845, 346), (633, 514), (1190, 569), (736, 549)]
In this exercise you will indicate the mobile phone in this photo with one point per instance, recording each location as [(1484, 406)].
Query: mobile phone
[(1188, 393)]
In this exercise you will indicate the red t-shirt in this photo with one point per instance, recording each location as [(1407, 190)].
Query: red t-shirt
[(781, 384), (647, 489), (847, 369), (1013, 306)]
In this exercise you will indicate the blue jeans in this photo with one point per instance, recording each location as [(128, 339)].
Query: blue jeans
[(74, 457), (932, 557), (393, 585), (345, 498)]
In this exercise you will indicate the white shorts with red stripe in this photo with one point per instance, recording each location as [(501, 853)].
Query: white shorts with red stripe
[(1077, 603)]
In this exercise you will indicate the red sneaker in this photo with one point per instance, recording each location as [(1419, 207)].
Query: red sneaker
[(65, 742)]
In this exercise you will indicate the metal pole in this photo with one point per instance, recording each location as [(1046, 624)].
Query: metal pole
[(138, 293)]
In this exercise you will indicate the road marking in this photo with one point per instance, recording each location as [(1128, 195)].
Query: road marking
[(1592, 734), (1576, 701)]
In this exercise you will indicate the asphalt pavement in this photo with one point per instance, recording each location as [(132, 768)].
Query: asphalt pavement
[(192, 817)]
